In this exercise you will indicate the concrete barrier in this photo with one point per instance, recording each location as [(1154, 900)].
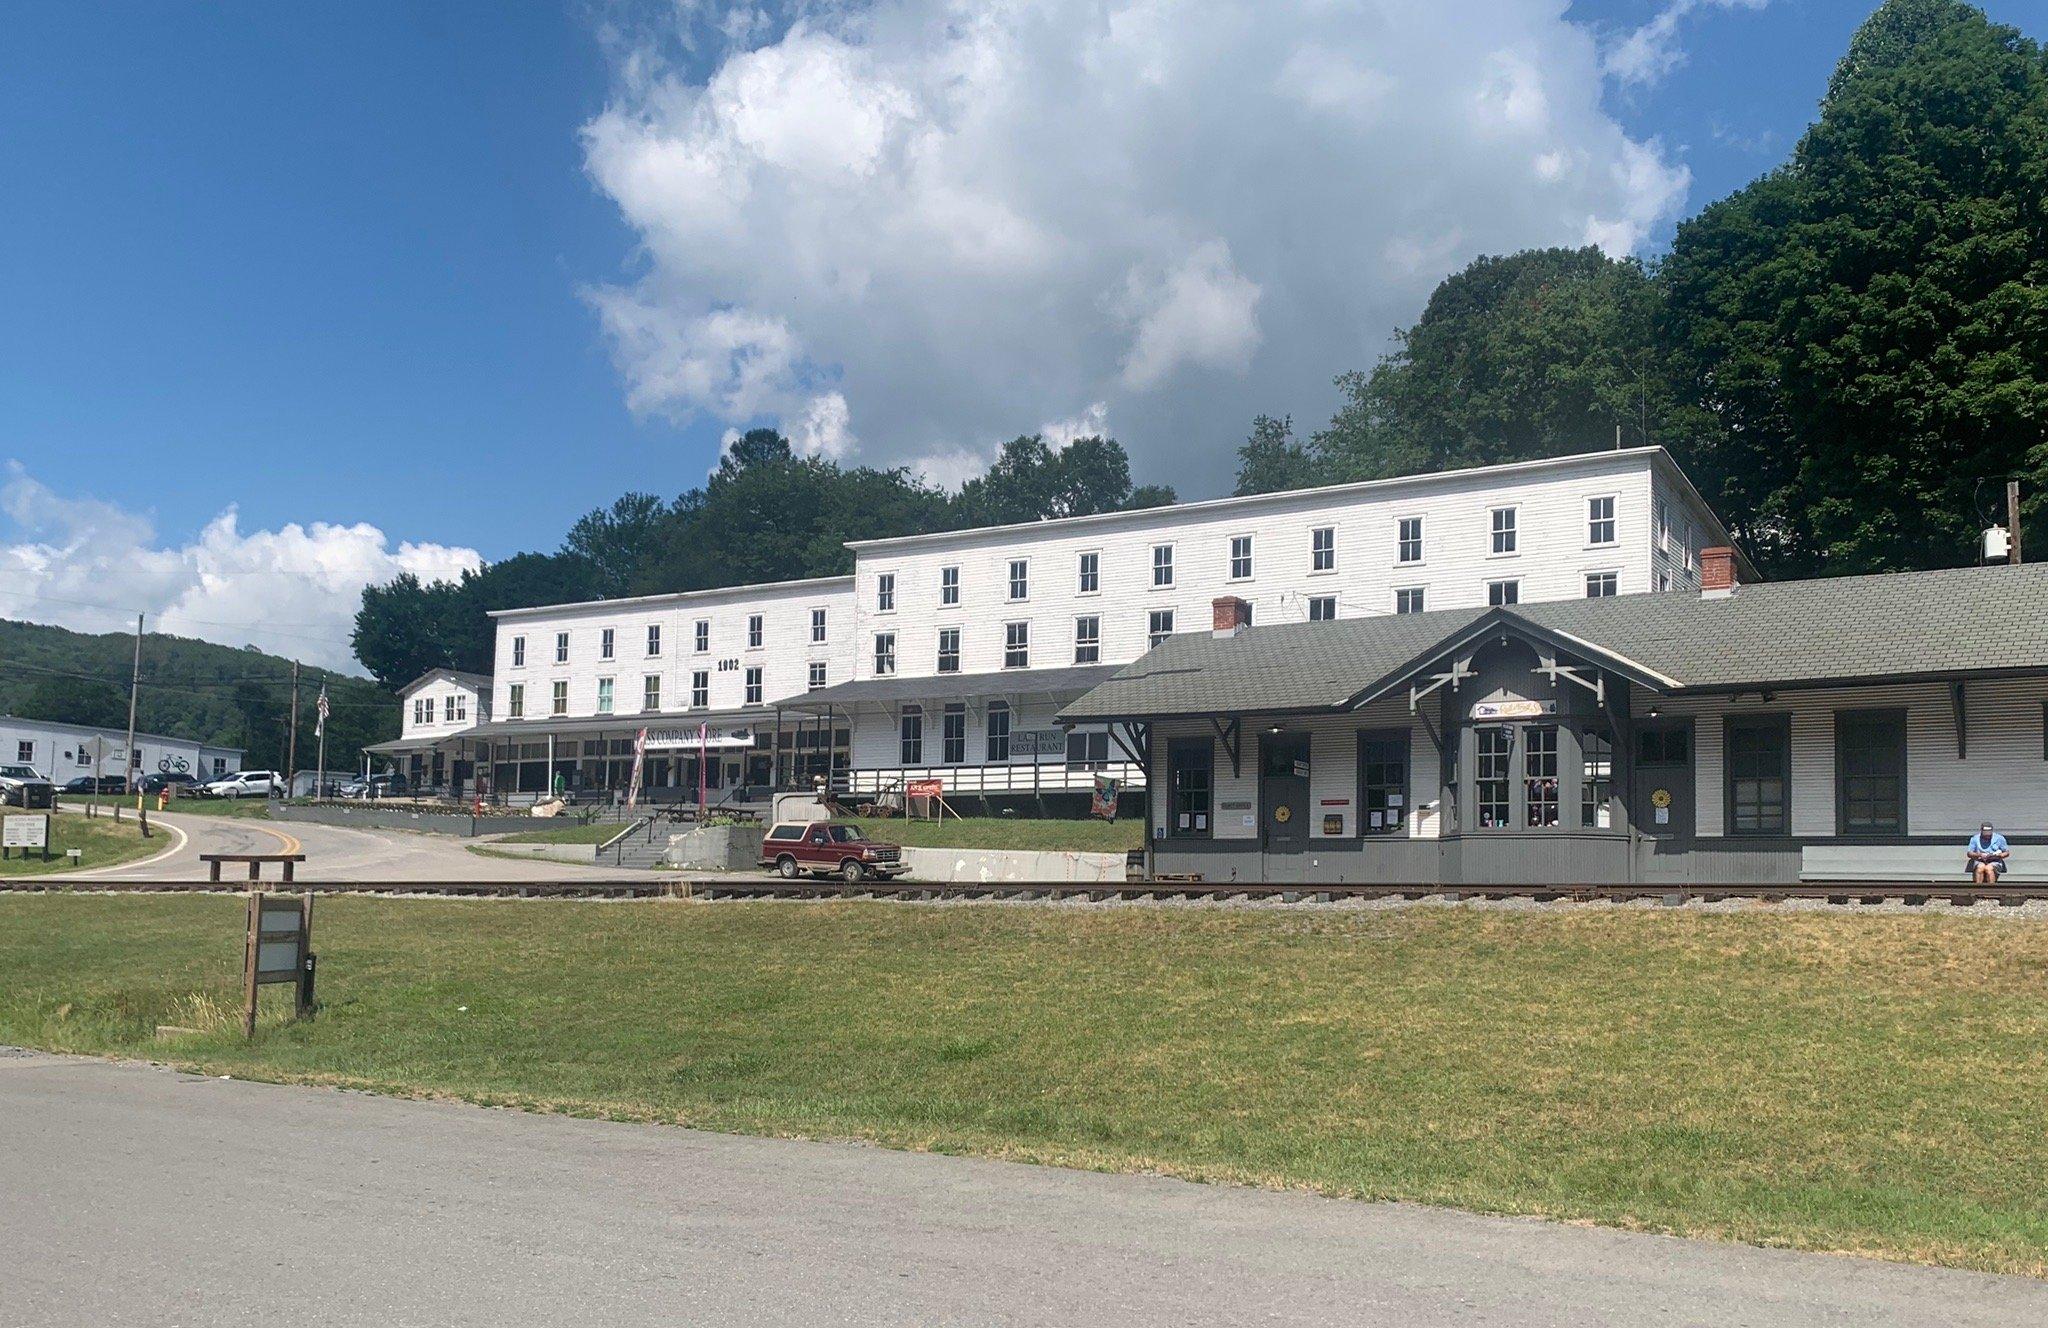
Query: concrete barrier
[(372, 816), (716, 848), (988, 865), (582, 853)]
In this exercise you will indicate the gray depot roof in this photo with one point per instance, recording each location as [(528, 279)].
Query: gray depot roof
[(941, 687), (1958, 623)]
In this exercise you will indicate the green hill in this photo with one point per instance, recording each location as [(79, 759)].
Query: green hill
[(190, 689)]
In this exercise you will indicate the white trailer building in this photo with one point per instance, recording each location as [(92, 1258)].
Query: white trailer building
[(62, 752)]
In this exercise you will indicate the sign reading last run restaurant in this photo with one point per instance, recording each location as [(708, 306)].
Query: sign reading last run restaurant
[(1512, 709)]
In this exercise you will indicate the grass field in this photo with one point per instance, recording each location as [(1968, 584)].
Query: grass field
[(1864, 1083), (183, 806), (1087, 836), (103, 844), (594, 833)]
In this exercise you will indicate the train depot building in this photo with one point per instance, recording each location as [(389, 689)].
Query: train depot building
[(1852, 728)]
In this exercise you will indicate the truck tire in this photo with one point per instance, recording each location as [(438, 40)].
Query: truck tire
[(851, 871), (786, 868)]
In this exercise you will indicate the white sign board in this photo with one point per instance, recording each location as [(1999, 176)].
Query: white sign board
[(1512, 709), (25, 832), (689, 737)]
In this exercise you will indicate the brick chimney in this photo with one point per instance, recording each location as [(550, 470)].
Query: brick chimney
[(1231, 615), (1717, 572)]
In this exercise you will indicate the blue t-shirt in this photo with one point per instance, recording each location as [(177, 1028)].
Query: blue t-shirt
[(1997, 844)]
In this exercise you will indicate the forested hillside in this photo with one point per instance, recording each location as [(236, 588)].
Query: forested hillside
[(241, 698)]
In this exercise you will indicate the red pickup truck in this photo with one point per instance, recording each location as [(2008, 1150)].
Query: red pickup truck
[(828, 847)]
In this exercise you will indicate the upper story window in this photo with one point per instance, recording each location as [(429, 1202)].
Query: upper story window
[(458, 708), (558, 701), (1503, 592), (1600, 520), (1162, 565), (607, 642), (1505, 534), (1660, 525), (700, 689), (430, 711), (1017, 645), (653, 638), (1090, 573), (515, 700), (518, 652), (1410, 599), (1408, 540), (949, 585), (604, 696), (650, 692), (1240, 557), (817, 626), (1159, 625), (1601, 585), (754, 685), (817, 678), (1020, 578), (1087, 639), (753, 631), (1322, 549), (561, 647), (885, 654), (703, 634), (419, 710), (1322, 608), (885, 593), (949, 650)]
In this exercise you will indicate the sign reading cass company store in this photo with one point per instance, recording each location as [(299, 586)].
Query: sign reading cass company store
[(692, 736)]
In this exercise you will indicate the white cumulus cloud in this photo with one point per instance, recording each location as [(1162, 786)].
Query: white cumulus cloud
[(293, 591), (929, 223), (1645, 54)]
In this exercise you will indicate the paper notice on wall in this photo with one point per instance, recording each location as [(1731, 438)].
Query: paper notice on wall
[(1663, 815), (1377, 822), (1396, 799), (1186, 821)]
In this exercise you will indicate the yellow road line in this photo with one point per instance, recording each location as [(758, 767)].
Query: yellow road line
[(291, 842)]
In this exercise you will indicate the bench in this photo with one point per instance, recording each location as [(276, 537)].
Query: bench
[(1910, 862), (213, 862)]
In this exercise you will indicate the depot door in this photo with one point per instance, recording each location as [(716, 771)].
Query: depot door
[(1662, 784), (1283, 792)]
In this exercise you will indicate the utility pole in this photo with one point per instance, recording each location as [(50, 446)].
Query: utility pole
[(2012, 520), (291, 759), (134, 686)]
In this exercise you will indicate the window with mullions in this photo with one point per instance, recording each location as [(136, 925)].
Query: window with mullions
[(1190, 781), (911, 732), (1322, 608), (1088, 749), (1759, 775), (949, 650), (1322, 549), (1382, 783), (1870, 772), (1539, 775), (998, 731), (1596, 790), (953, 735), (1504, 531), (1087, 639), (1493, 777)]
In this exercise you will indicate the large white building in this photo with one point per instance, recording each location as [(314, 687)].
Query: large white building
[(948, 655)]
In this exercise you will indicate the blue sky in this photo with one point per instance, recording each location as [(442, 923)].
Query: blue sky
[(357, 264)]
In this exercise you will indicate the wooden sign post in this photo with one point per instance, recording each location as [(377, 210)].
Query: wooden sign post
[(278, 948)]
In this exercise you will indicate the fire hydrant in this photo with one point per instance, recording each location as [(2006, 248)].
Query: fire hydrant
[(163, 798)]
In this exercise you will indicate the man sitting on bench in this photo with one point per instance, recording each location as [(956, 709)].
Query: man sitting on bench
[(1987, 854)]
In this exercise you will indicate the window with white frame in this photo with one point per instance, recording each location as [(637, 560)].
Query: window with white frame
[(953, 734), (1499, 593), (25, 751), (754, 631), (1322, 608), (910, 734), (85, 757), (700, 689), (607, 641), (754, 685), (1087, 639), (1020, 578), (561, 647), (885, 593), (1088, 749), (1408, 540), (458, 708), (1162, 565), (604, 696), (1322, 549), (650, 692), (701, 636), (817, 678), (430, 710), (1663, 582), (949, 650), (1409, 599), (1240, 557), (653, 639), (1660, 525), (998, 731), (1505, 534), (817, 627), (1601, 585), (518, 652), (515, 700), (1600, 520), (1089, 574), (558, 702), (885, 654), (419, 710), (949, 585), (1017, 645), (1159, 625)]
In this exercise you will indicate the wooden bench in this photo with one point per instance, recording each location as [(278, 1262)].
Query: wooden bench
[(1909, 862), (213, 862)]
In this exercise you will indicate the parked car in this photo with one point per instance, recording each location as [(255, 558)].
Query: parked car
[(21, 786), (824, 848), (95, 784), (244, 784), (376, 786), (177, 781)]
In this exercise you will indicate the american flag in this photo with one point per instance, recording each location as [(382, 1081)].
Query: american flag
[(320, 712)]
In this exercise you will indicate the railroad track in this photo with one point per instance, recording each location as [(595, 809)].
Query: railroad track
[(773, 887)]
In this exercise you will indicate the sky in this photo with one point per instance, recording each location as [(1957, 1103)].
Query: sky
[(300, 297)]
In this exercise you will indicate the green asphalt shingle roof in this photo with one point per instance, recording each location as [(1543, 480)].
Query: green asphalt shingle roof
[(1961, 622)]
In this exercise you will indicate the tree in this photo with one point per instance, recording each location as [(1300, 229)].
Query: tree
[(613, 542), (1033, 481), (69, 700), (400, 630), (1271, 460)]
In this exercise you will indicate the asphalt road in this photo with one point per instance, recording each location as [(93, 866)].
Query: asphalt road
[(333, 853), (134, 1195)]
